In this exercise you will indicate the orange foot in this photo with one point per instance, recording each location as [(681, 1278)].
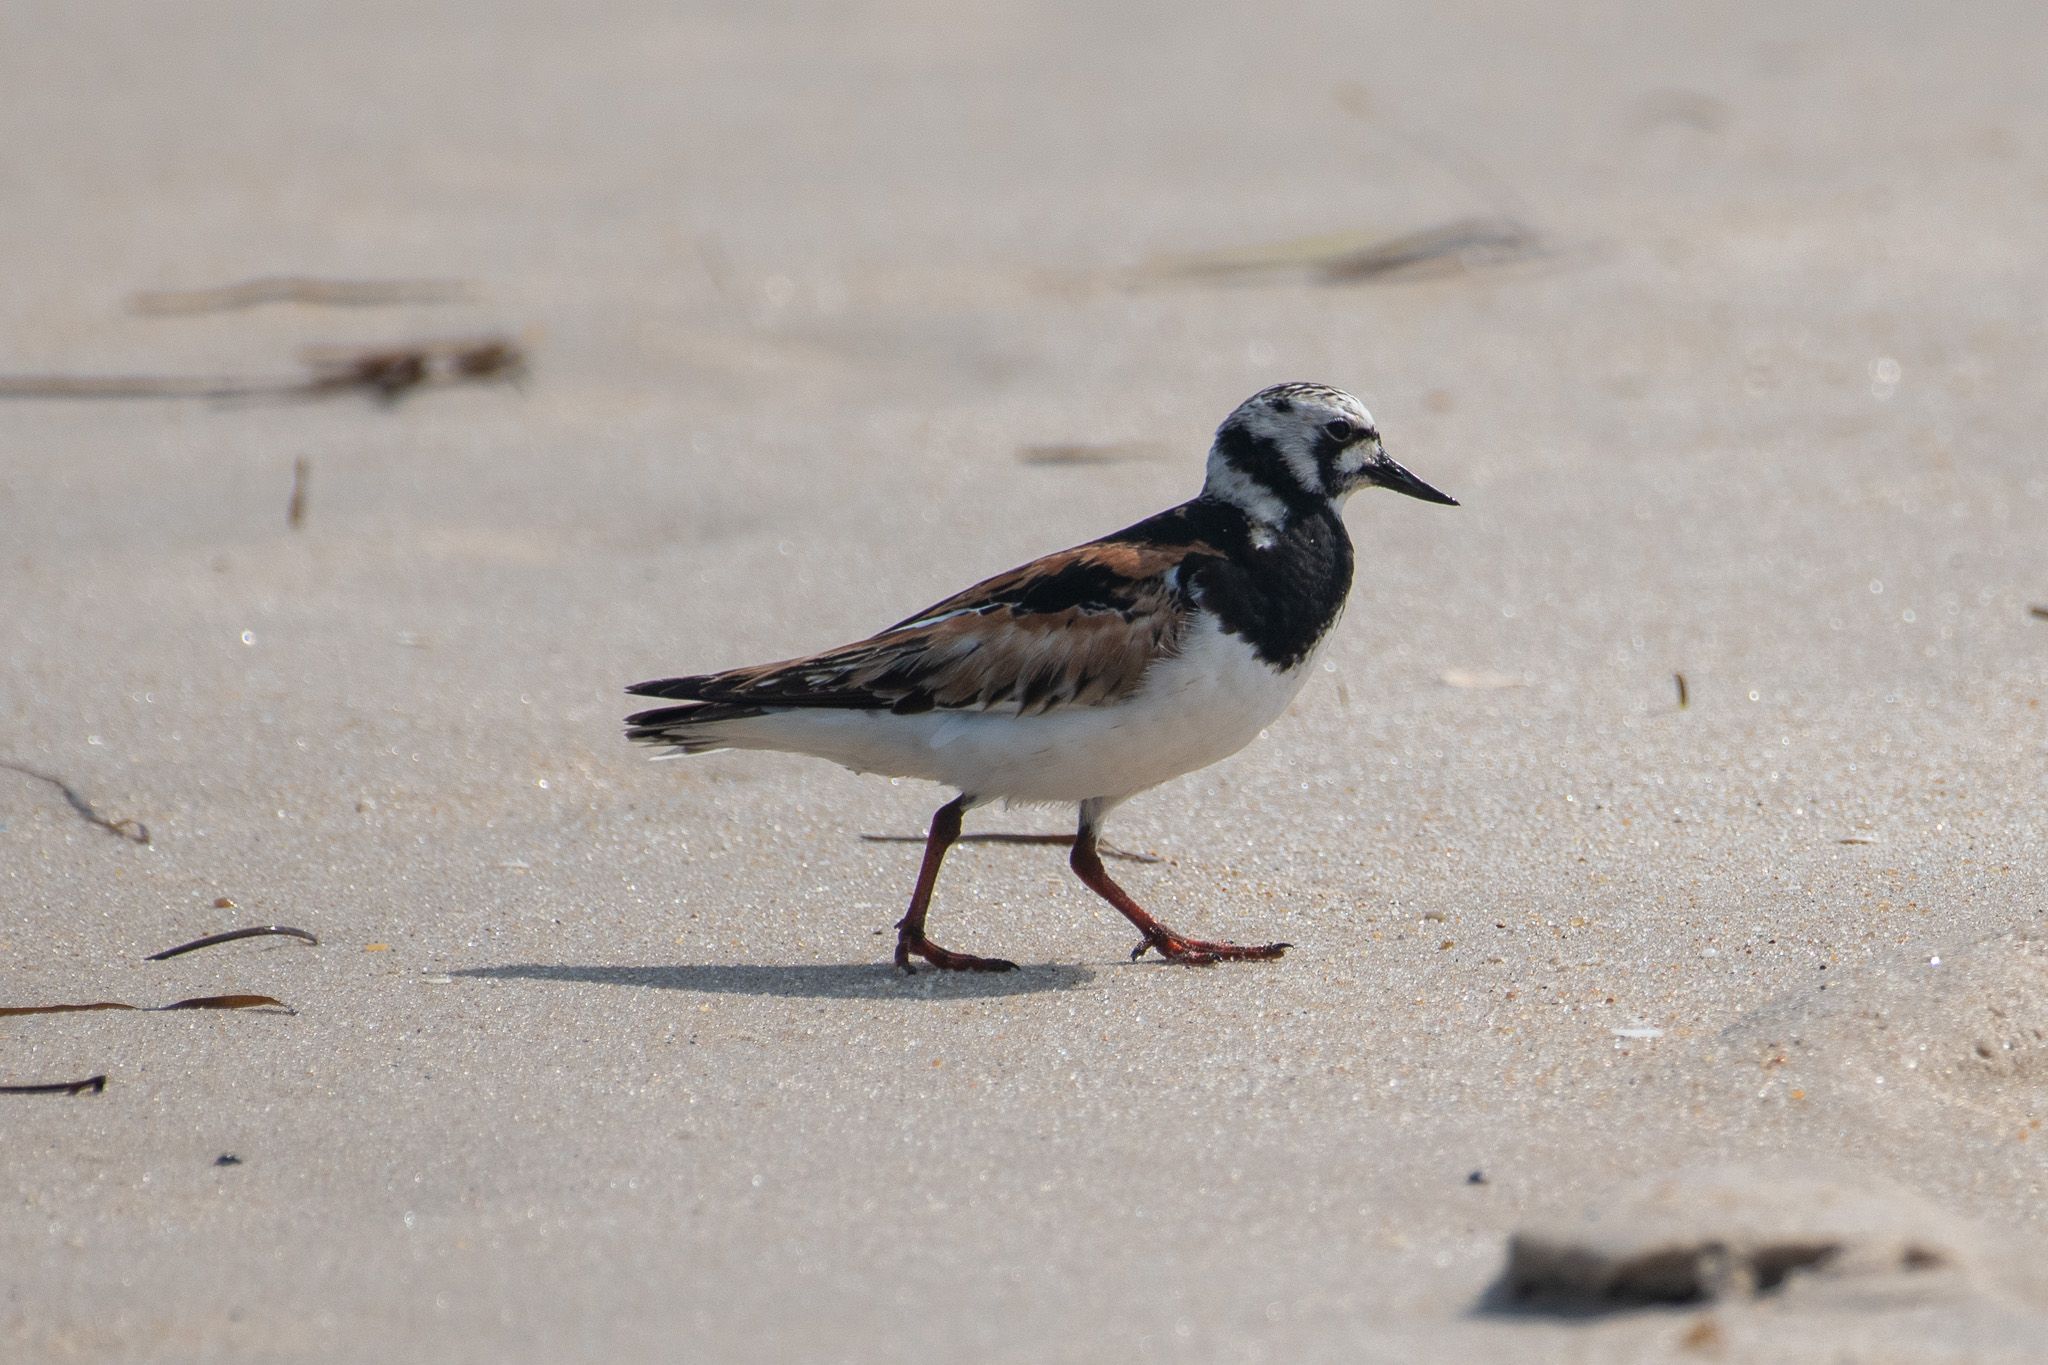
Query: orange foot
[(1195, 952), (945, 959)]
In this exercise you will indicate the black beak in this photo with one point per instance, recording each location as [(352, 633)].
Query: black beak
[(1387, 474)]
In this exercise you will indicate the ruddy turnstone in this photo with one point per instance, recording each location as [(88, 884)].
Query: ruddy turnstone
[(1092, 674)]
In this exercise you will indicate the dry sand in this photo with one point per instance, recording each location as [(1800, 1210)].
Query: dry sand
[(598, 1059)]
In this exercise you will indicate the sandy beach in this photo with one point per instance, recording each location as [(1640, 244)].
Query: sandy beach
[(1616, 1028)]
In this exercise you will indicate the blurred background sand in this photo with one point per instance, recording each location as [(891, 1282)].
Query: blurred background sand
[(830, 311)]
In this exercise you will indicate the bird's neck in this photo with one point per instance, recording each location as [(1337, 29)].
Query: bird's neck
[(1278, 587), (1262, 520)]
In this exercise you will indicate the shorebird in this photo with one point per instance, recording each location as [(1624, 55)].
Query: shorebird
[(1089, 675)]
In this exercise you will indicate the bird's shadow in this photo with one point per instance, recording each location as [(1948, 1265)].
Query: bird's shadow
[(831, 981)]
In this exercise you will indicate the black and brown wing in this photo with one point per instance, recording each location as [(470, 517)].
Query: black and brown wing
[(1077, 628)]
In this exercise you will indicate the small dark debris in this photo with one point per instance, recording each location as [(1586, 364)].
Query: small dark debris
[(254, 931), (134, 831), (295, 509), (492, 359), (1922, 1258), (2038, 612), (1772, 1264), (1684, 693), (394, 371), (1476, 1178), (91, 1085), (388, 374), (227, 1159)]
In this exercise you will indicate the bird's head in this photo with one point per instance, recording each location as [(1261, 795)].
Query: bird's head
[(1295, 447)]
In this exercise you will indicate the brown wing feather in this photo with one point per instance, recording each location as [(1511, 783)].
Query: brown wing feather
[(1103, 570), (1078, 628)]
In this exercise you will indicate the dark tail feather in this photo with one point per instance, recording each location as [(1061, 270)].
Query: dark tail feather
[(693, 729), (678, 689)]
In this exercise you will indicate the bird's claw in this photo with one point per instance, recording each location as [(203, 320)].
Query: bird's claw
[(1195, 952), (944, 959)]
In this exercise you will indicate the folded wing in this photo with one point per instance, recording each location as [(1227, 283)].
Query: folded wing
[(1079, 628)]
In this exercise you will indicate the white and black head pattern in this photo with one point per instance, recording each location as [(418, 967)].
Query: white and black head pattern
[(1296, 448)]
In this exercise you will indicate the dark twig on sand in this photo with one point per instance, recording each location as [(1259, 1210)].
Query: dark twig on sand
[(1684, 694), (390, 372), (295, 509), (232, 935), (386, 372), (91, 1085), (132, 830)]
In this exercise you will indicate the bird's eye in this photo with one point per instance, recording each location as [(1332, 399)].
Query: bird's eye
[(1340, 430)]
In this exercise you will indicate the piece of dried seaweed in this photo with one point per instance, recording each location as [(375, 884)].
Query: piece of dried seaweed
[(253, 931), (197, 1002), (385, 372)]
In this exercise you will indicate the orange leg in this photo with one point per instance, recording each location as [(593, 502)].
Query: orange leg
[(910, 929), (1190, 952)]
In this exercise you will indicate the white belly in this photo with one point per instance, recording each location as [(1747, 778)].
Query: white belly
[(1204, 705)]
